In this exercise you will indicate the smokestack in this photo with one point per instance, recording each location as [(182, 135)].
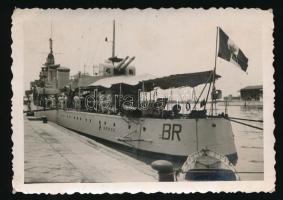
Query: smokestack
[(127, 64)]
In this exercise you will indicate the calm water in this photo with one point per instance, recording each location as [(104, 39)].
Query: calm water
[(249, 142)]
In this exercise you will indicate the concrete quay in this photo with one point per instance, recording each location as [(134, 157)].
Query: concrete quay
[(54, 154)]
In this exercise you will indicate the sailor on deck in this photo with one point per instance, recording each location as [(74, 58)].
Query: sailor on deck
[(77, 102), (65, 99)]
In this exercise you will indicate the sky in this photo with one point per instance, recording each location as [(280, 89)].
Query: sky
[(164, 42)]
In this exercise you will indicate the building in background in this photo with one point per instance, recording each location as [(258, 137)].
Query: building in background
[(251, 93)]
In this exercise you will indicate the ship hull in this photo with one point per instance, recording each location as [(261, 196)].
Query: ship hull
[(175, 138)]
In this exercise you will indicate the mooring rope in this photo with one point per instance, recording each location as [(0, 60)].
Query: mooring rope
[(259, 128), (251, 120), (214, 170), (250, 172)]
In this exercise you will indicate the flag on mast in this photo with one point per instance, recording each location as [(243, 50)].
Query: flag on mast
[(227, 50)]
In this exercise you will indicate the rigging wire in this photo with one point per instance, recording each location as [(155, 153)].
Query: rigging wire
[(249, 125), (202, 91), (244, 119)]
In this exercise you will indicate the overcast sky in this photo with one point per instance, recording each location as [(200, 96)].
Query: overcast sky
[(164, 42)]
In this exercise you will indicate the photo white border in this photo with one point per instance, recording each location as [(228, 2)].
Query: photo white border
[(266, 185)]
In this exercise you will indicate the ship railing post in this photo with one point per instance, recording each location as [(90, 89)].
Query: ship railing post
[(139, 93)]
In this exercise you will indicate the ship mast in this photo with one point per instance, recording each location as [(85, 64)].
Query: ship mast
[(213, 101), (50, 60), (113, 57), (50, 40), (113, 40), (50, 45)]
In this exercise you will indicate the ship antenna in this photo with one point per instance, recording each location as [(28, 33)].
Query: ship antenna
[(50, 40), (113, 40), (51, 30)]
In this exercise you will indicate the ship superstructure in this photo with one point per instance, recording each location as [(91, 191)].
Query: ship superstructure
[(52, 79)]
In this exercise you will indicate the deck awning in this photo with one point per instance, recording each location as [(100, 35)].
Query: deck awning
[(149, 82), (182, 80)]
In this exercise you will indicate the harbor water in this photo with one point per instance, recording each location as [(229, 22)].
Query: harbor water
[(249, 141)]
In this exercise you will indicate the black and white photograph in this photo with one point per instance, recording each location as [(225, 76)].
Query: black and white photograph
[(170, 100)]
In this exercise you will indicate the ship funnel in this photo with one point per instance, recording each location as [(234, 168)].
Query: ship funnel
[(127, 64), (122, 63)]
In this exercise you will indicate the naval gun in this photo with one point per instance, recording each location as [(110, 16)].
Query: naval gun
[(127, 64), (122, 63)]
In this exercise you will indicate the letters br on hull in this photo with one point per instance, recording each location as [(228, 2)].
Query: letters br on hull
[(167, 134), (173, 100)]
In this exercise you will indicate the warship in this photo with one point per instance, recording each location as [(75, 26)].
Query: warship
[(117, 106)]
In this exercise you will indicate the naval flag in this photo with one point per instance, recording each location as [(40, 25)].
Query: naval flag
[(230, 52)]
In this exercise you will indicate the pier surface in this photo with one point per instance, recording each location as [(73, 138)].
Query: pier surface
[(55, 154)]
